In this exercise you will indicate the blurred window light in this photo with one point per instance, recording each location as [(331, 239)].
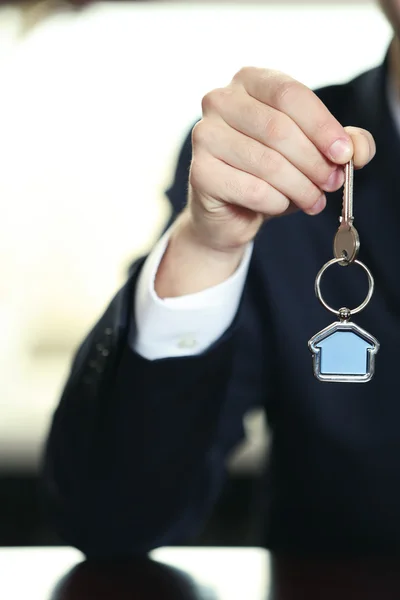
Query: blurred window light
[(93, 109)]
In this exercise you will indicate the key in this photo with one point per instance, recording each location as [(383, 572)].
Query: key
[(347, 241)]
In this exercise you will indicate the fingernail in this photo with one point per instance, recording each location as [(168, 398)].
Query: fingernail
[(318, 206), (331, 181), (335, 180), (341, 150)]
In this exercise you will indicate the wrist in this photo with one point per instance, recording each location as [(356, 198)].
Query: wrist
[(188, 233), (189, 265)]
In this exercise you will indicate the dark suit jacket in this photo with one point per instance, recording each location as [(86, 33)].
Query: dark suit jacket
[(135, 457)]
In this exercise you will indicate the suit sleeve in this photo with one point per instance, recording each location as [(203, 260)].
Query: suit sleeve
[(136, 451)]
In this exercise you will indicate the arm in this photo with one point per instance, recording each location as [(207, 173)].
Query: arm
[(136, 451), (135, 457)]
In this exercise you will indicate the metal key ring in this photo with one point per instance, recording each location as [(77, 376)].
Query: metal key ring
[(318, 292)]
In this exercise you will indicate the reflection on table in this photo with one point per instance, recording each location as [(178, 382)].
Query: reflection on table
[(193, 574), (170, 574)]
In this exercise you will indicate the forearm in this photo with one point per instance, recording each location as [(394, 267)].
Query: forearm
[(143, 430)]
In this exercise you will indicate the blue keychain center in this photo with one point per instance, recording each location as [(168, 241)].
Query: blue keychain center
[(344, 352)]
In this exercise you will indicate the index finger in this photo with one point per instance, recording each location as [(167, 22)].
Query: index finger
[(303, 106)]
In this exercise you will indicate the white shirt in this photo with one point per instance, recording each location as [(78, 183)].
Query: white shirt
[(188, 325)]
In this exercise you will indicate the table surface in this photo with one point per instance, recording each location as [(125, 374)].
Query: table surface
[(204, 574), (194, 574)]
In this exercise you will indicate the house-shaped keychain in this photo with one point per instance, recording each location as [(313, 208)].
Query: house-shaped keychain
[(343, 352)]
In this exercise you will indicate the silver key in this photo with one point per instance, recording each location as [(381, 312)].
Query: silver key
[(347, 241)]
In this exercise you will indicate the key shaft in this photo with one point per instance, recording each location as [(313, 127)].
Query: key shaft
[(347, 241), (348, 215)]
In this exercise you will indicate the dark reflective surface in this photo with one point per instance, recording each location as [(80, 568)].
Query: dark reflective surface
[(197, 574), (355, 579), (139, 579), (292, 580)]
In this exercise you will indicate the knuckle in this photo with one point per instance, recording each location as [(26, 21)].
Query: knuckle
[(244, 73), (255, 158), (207, 102), (323, 131), (274, 129), (255, 195), (199, 133), (285, 92), (272, 163), (196, 174), (215, 101)]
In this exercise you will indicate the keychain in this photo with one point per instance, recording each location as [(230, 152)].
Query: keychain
[(343, 352)]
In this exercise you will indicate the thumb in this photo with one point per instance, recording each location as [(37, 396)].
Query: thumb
[(364, 146)]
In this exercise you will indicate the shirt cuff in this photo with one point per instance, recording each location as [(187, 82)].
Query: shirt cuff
[(186, 325)]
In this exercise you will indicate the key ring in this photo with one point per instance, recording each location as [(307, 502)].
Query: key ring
[(344, 313)]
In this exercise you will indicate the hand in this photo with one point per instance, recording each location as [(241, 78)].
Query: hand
[(266, 145)]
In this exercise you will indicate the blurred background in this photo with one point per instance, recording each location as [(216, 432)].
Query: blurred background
[(95, 100)]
